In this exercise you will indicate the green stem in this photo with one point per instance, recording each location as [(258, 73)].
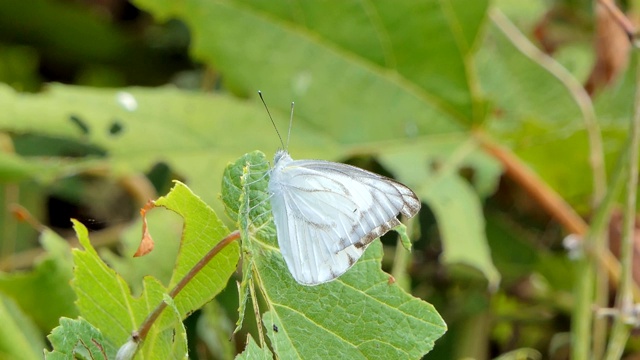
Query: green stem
[(624, 299)]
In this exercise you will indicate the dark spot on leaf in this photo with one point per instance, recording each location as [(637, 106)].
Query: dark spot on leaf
[(116, 127), (275, 328), (81, 124)]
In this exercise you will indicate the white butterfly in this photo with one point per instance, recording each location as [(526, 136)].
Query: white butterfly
[(327, 213)]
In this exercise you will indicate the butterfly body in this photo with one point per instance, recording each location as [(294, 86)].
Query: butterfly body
[(326, 214)]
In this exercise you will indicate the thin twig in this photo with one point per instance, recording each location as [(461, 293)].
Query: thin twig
[(142, 332)]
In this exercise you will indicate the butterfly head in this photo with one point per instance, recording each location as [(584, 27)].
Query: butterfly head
[(281, 157)]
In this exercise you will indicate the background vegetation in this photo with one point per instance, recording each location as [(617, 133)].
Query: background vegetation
[(511, 121)]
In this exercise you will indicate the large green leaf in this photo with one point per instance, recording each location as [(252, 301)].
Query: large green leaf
[(188, 131), (359, 315), (408, 63)]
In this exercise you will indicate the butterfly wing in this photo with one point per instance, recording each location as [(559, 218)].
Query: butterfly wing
[(327, 213)]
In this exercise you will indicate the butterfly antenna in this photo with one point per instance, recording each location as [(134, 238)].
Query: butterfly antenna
[(290, 125), (271, 118)]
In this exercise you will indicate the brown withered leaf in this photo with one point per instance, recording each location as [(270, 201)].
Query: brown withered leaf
[(612, 50)]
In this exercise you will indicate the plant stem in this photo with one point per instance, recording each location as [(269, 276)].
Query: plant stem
[(142, 332), (624, 299)]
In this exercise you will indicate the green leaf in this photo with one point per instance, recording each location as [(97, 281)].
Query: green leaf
[(179, 342), (254, 352), (78, 338), (241, 198), (165, 228), (202, 230), (451, 199), (195, 143), (297, 53), (615, 105), (404, 237), (105, 300), (349, 317), (50, 276), (19, 336), (359, 315)]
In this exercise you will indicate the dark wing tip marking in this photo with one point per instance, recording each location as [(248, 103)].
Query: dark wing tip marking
[(352, 260), (376, 233), (411, 205)]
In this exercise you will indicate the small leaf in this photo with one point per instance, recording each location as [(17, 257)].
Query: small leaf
[(404, 238), (78, 338)]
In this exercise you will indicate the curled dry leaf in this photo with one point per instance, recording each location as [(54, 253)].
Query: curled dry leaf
[(146, 243)]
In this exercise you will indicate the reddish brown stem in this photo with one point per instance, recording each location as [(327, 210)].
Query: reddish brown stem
[(553, 203), (142, 332)]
